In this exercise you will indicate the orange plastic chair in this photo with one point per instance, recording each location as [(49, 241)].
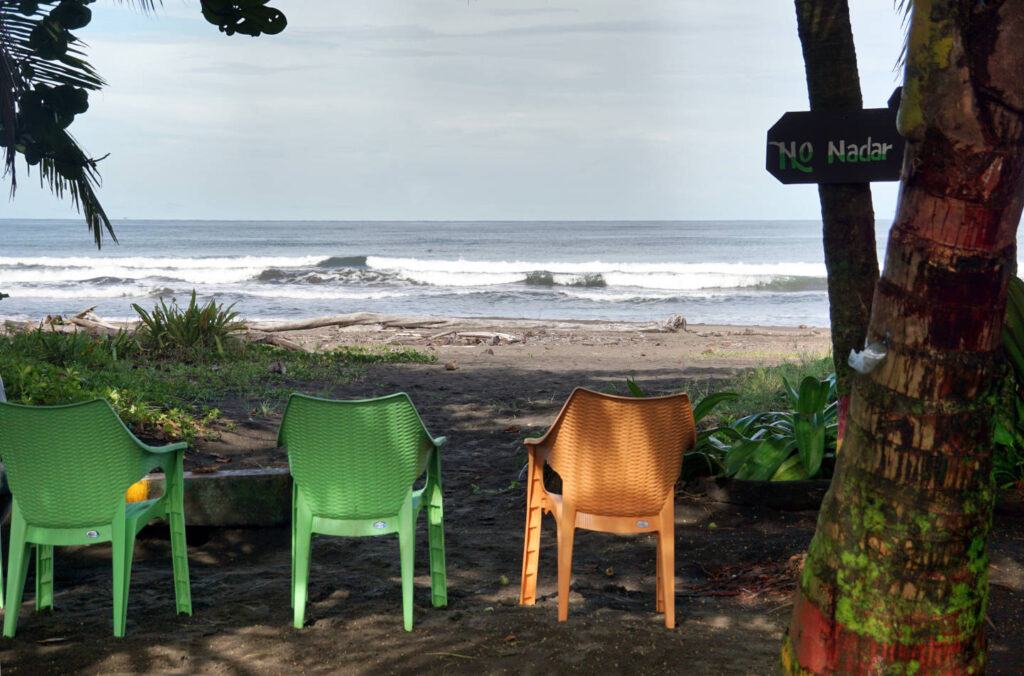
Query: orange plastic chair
[(618, 458)]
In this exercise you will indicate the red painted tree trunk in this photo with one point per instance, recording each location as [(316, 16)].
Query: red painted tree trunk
[(896, 577)]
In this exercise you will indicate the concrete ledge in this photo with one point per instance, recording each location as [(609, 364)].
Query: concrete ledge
[(237, 498)]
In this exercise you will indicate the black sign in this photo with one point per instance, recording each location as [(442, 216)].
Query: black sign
[(836, 147)]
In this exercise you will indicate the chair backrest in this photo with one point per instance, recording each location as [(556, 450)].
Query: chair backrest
[(70, 465), (354, 459), (620, 456)]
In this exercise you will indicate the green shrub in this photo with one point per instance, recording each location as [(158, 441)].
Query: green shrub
[(784, 445), (171, 331), (1008, 438), (44, 384), (383, 354), (66, 349), (167, 398), (1008, 421)]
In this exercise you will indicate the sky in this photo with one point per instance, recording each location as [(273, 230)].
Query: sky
[(456, 110)]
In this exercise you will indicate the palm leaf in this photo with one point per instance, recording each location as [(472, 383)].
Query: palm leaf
[(26, 71)]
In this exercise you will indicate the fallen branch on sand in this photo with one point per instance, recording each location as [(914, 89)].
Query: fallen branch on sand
[(88, 320), (352, 319), (270, 339)]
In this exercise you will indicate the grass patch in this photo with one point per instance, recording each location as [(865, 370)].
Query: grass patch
[(759, 389), (166, 397)]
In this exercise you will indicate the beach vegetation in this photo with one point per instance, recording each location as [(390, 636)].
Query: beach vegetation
[(67, 349), (760, 389), (795, 444), (1008, 421), (1008, 437), (170, 331), (170, 399)]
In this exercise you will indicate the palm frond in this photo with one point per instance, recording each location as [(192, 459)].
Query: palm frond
[(906, 8), (143, 5), (76, 174), (8, 96), (69, 68), (44, 81)]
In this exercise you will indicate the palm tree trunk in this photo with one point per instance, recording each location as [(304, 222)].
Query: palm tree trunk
[(896, 576), (847, 215)]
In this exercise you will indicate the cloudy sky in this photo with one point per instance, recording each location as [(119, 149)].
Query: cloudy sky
[(456, 109)]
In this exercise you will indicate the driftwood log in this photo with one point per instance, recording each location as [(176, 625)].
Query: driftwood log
[(352, 319), (271, 339)]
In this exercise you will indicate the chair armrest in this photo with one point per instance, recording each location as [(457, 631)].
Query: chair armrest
[(169, 448), (543, 441), (170, 458)]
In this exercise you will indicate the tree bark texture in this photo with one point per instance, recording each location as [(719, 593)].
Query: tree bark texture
[(895, 580), (847, 214)]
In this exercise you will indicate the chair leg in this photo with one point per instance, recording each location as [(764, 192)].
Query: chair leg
[(667, 562), (44, 576), (659, 591), (566, 533), (295, 490), (179, 560), (1, 574), (179, 546), (406, 551), (531, 539), (17, 570), (123, 545), (302, 536), (435, 537)]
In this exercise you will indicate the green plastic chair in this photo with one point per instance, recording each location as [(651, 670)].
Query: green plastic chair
[(354, 464), (68, 468)]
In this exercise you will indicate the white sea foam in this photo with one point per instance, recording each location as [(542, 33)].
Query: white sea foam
[(605, 297), (319, 293), (221, 270), (162, 262), (112, 291), (596, 266), (668, 276)]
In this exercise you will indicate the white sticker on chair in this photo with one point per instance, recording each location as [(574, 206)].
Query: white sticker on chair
[(642, 524), (92, 534), (379, 524)]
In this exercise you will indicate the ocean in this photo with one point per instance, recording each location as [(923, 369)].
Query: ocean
[(711, 272)]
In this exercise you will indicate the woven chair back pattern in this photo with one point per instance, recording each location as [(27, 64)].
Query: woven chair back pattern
[(620, 456), (48, 449), (354, 459)]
